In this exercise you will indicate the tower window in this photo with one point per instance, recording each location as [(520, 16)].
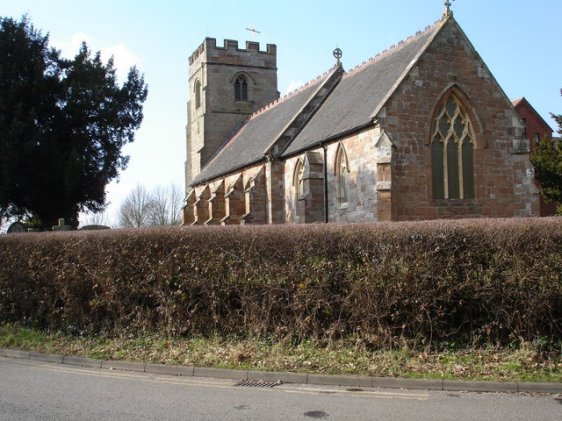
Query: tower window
[(452, 152), (197, 90), (241, 89)]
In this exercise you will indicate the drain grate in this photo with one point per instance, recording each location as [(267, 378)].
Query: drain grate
[(257, 383)]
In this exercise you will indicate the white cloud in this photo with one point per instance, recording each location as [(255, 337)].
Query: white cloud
[(123, 58), (293, 84), (70, 47)]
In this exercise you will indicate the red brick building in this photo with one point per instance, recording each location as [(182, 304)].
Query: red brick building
[(536, 129), (420, 131)]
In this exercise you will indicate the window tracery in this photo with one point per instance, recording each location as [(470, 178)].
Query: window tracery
[(452, 152)]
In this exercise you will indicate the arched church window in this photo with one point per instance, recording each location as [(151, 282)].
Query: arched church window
[(197, 91), (342, 175), (241, 88), (452, 152), (298, 183), (297, 191)]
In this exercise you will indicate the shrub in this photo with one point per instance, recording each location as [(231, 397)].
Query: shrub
[(475, 282)]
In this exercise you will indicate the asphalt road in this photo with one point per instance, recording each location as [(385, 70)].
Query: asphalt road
[(32, 390)]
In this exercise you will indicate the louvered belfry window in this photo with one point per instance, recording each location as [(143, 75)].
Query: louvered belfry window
[(241, 89), (452, 152)]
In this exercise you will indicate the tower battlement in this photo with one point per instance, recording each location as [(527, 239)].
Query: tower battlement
[(226, 85), (230, 50)]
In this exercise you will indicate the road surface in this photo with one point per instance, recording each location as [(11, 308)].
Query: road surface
[(32, 390)]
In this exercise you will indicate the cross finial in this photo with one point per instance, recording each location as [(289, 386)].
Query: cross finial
[(448, 12), (338, 54)]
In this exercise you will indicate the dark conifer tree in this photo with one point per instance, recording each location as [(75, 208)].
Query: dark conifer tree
[(63, 124), (547, 160)]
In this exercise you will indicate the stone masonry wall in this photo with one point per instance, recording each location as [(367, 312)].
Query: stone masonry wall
[(237, 198), (361, 155), (275, 186), (361, 152), (503, 175)]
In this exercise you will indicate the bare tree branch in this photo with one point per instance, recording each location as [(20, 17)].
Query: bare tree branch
[(136, 209), (159, 207)]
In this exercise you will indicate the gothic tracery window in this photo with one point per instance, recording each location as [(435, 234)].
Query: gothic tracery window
[(342, 175), (241, 88), (452, 152)]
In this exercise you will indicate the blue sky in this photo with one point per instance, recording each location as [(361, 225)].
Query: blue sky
[(518, 39)]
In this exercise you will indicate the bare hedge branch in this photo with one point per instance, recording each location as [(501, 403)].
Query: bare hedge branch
[(468, 282)]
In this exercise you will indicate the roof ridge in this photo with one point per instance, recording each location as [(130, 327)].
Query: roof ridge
[(393, 48), (292, 93), (319, 80)]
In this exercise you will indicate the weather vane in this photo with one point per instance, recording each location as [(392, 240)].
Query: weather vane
[(448, 11), (253, 30)]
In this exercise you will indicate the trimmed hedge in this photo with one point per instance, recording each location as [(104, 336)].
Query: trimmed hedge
[(471, 282)]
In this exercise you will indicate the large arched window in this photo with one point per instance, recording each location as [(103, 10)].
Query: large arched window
[(197, 92), (241, 88), (342, 175), (452, 151)]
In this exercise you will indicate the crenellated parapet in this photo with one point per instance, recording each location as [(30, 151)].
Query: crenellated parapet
[(210, 52)]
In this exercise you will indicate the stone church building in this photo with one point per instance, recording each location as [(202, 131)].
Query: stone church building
[(420, 131)]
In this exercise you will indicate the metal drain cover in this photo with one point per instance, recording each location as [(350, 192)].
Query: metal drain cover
[(257, 383)]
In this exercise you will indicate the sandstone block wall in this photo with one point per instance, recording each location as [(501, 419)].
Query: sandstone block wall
[(362, 153), (503, 179)]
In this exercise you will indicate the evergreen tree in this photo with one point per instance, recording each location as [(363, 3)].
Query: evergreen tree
[(63, 124)]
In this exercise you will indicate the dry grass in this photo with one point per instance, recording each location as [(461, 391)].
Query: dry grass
[(525, 362)]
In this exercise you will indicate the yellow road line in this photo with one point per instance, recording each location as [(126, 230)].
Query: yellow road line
[(364, 393), (191, 381)]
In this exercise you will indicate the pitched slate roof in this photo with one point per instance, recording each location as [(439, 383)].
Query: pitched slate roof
[(351, 105), (361, 93), (250, 143)]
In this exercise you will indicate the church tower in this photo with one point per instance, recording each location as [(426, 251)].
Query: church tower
[(226, 85)]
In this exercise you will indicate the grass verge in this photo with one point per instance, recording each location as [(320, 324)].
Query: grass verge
[(524, 362)]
